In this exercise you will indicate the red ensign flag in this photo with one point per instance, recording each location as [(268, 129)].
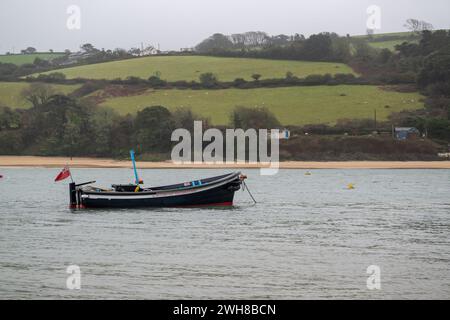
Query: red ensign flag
[(64, 174)]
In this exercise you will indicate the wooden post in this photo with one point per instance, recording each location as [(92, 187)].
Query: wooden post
[(375, 119)]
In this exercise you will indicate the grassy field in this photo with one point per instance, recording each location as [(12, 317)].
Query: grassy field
[(190, 67), (405, 34), (10, 93), (388, 44), (292, 106), (20, 59), (391, 39)]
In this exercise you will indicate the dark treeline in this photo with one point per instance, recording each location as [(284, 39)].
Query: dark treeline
[(206, 81), (410, 60), (318, 47), (13, 72)]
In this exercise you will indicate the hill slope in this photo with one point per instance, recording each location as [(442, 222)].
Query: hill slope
[(390, 40), (292, 106), (173, 68), (20, 59)]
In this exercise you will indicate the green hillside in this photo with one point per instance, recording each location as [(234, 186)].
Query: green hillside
[(389, 40), (20, 59), (405, 34), (390, 44), (10, 93), (189, 68), (292, 106)]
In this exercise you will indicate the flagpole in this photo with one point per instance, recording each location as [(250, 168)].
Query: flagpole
[(70, 172)]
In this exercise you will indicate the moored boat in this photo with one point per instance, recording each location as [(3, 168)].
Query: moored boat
[(214, 191)]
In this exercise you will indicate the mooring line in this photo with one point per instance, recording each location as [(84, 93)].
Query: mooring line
[(248, 190)]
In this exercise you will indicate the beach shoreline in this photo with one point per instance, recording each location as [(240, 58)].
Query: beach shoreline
[(81, 162)]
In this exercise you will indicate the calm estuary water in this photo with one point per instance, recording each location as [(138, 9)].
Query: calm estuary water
[(307, 237)]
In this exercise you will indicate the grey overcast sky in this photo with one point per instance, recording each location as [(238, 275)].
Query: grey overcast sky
[(183, 23)]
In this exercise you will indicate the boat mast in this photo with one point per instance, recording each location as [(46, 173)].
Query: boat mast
[(134, 167)]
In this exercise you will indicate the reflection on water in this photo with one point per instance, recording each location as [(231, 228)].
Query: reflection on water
[(307, 237)]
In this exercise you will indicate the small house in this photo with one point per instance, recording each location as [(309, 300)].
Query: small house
[(284, 134), (404, 133)]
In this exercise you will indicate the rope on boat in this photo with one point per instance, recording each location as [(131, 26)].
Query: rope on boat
[(248, 190)]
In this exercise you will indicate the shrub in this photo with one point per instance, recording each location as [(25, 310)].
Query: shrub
[(239, 82), (257, 118), (439, 129), (52, 77), (317, 79), (344, 77), (155, 81), (134, 80), (208, 80)]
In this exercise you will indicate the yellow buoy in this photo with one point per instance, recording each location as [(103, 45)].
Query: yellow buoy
[(350, 186)]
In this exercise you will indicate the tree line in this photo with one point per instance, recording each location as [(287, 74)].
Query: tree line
[(88, 54), (318, 47)]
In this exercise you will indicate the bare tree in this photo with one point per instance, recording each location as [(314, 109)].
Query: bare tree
[(249, 39), (427, 26), (238, 40), (37, 93), (417, 25), (255, 38)]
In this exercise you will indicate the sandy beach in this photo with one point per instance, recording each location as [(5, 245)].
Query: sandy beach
[(51, 162)]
